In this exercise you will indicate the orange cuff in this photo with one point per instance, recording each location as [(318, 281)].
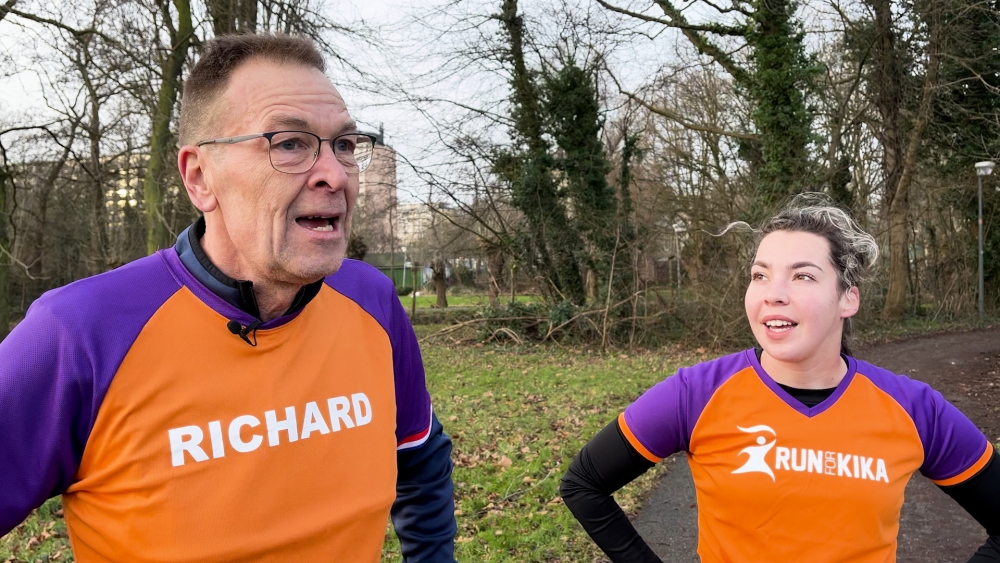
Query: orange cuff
[(971, 471), (635, 441)]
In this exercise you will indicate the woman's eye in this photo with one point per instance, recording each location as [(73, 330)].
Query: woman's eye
[(801, 276), (755, 276)]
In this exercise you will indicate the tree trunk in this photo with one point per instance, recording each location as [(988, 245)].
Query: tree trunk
[(439, 273), (556, 244), (232, 16), (4, 258), (899, 162), (494, 267), (781, 117), (98, 221), (159, 142)]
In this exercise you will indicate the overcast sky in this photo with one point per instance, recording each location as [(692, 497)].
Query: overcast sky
[(404, 49)]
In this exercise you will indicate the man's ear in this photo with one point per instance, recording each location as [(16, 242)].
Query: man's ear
[(850, 302), (191, 161)]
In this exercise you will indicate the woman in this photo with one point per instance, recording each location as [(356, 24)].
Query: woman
[(799, 451)]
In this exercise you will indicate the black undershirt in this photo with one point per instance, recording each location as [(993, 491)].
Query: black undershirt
[(609, 461), (808, 397)]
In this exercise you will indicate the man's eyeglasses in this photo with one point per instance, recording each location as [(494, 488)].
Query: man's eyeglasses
[(294, 152)]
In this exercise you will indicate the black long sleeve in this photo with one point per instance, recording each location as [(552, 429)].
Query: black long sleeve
[(980, 497), (424, 512), (607, 463)]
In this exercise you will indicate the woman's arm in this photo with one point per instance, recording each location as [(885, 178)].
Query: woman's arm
[(607, 463), (980, 497)]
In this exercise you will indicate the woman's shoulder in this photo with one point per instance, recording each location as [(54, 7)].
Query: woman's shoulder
[(722, 367), (698, 382), (900, 386), (921, 401)]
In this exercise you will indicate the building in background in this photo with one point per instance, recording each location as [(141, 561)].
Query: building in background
[(415, 219), (374, 218)]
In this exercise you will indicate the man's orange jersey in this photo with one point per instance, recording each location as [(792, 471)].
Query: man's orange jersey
[(779, 481), (171, 439)]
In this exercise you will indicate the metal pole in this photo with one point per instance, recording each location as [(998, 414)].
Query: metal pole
[(413, 301), (677, 249), (982, 300)]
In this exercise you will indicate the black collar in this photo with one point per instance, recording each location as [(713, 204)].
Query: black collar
[(243, 294)]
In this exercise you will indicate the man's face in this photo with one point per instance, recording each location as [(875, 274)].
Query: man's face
[(278, 227)]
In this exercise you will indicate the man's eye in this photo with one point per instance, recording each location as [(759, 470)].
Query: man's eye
[(290, 144), (344, 146)]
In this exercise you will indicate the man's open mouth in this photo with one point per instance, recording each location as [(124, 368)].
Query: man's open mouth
[(321, 223)]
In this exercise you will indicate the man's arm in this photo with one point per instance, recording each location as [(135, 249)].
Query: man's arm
[(424, 512), (980, 497), (43, 422), (607, 463)]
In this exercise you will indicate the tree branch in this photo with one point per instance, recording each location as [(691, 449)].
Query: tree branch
[(708, 28), (76, 33), (677, 118), (704, 45), (39, 19), (6, 8)]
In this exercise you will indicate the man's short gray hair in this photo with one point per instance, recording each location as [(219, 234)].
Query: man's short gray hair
[(220, 57)]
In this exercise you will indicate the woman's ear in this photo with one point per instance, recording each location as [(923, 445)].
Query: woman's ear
[(850, 302)]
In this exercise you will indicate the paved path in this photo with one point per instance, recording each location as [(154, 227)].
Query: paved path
[(933, 528)]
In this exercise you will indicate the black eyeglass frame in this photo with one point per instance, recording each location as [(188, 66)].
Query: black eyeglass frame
[(270, 135)]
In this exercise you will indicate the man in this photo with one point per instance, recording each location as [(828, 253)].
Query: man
[(248, 395)]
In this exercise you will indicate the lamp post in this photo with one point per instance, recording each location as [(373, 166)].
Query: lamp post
[(984, 168)]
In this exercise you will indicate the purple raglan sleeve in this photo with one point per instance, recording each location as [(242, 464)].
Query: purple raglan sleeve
[(954, 448), (662, 419), (55, 368), (423, 514), (375, 293)]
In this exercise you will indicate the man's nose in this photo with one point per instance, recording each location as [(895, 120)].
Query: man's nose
[(328, 170)]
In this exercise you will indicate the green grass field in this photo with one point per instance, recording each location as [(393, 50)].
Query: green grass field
[(427, 300), (517, 416)]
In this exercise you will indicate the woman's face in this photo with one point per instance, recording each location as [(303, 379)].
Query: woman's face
[(793, 302)]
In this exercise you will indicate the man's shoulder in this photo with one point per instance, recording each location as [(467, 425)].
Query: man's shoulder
[(136, 289), (356, 278), (371, 290)]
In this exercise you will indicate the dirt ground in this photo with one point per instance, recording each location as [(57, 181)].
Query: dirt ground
[(965, 367)]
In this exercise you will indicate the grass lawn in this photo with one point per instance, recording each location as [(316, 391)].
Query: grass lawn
[(516, 416), (428, 299)]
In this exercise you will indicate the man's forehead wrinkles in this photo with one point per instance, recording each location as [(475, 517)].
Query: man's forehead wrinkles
[(312, 98), (323, 120), (287, 121)]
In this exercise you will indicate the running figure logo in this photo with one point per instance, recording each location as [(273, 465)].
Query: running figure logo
[(756, 463)]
